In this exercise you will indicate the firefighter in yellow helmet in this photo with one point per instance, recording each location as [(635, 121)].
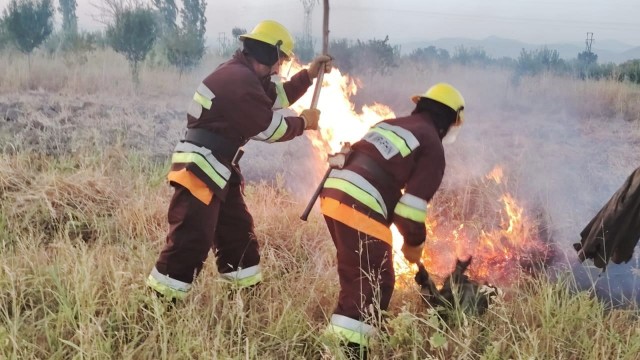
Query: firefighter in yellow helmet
[(388, 177), (236, 103)]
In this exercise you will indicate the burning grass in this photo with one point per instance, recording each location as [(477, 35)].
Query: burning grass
[(83, 215), (65, 295)]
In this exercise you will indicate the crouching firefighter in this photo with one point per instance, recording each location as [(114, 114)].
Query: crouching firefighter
[(387, 177), (235, 103)]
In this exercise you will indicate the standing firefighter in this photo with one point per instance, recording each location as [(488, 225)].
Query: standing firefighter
[(363, 196), (232, 105)]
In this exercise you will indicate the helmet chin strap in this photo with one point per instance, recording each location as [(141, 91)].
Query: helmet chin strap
[(278, 44)]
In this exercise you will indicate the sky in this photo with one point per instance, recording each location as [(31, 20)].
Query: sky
[(535, 22)]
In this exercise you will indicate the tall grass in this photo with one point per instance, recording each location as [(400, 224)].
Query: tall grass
[(80, 235), (83, 216)]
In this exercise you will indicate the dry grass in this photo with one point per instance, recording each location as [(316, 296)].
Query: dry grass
[(83, 215), (72, 295)]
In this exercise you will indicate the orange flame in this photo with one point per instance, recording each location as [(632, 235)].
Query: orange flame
[(496, 251), (339, 121)]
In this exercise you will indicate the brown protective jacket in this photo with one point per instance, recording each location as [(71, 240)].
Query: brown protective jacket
[(244, 103), (614, 232), (234, 105), (419, 173)]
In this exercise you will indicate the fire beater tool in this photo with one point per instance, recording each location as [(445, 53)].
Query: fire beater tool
[(314, 102)]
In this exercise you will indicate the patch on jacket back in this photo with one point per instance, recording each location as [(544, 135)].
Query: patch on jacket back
[(384, 146)]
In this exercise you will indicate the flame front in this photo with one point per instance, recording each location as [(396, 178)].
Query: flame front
[(339, 121), (497, 251)]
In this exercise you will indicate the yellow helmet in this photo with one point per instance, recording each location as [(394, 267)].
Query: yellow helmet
[(272, 33), (446, 94)]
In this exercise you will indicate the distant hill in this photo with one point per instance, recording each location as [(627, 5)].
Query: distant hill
[(607, 50)]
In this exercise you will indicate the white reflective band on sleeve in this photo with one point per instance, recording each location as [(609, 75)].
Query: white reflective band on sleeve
[(362, 183), (205, 91), (217, 166), (275, 131), (194, 109), (169, 282), (242, 273), (414, 202), (406, 135)]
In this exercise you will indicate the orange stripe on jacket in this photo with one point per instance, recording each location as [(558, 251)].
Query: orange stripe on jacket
[(355, 219), (198, 189)]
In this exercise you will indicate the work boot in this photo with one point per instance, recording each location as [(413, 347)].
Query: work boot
[(355, 351)]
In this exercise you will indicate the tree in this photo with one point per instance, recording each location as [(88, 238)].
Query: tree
[(537, 61), (237, 31), (430, 54), (184, 51), (69, 19), (587, 63), (28, 23), (132, 34), (185, 46), (4, 35), (168, 13), (630, 71), (471, 56)]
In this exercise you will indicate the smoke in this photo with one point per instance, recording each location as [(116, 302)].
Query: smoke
[(562, 143), (559, 154)]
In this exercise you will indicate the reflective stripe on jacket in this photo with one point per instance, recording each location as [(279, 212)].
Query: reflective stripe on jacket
[(408, 149), (193, 165)]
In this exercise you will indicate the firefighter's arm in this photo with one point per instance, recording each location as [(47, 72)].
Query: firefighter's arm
[(411, 211), (297, 86), (252, 110)]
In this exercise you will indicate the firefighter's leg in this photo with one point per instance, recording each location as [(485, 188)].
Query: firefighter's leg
[(235, 243), (366, 274), (191, 230)]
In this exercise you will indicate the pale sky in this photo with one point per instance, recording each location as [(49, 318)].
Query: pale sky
[(536, 22)]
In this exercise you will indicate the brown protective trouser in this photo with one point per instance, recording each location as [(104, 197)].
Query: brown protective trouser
[(365, 269), (194, 228)]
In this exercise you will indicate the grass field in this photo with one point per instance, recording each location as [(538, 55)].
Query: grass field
[(83, 216)]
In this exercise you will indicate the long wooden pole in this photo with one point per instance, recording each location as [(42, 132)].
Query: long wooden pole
[(325, 51), (314, 102)]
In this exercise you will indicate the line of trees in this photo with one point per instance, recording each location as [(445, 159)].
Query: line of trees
[(133, 29), (176, 33)]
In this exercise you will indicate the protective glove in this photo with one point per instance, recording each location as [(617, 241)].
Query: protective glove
[(413, 254), (311, 118), (320, 60), (337, 160)]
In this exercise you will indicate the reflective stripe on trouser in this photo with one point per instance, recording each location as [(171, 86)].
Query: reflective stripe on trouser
[(195, 228), (351, 330), (165, 285), (365, 270), (244, 277)]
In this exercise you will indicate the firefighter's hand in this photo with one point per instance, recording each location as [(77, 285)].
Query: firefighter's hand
[(322, 60), (413, 254), (337, 160), (311, 118)]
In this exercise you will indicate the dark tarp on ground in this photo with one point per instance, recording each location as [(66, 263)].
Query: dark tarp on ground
[(614, 232)]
